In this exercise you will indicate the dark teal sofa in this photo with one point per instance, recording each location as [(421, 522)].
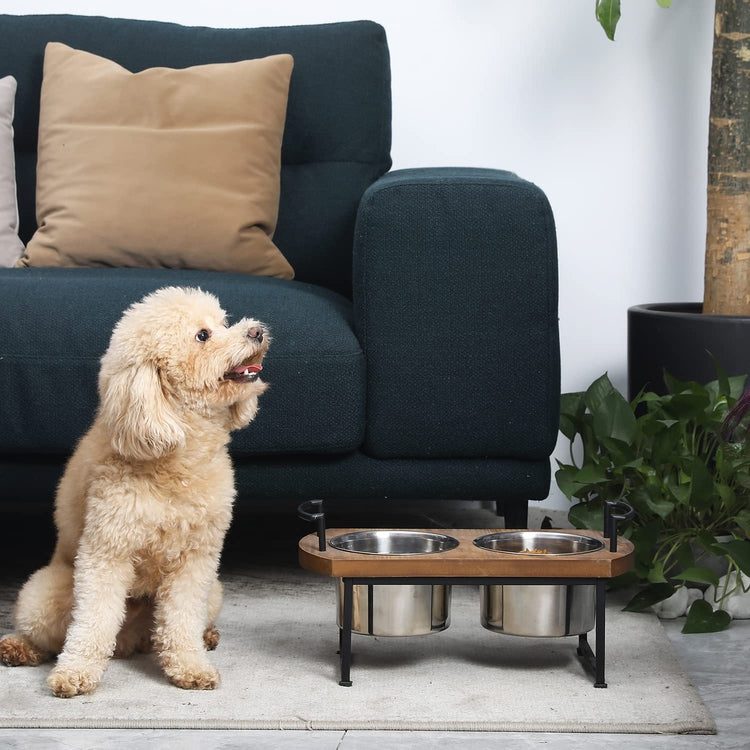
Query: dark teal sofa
[(416, 352)]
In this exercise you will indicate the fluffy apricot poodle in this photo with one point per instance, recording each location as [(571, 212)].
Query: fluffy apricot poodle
[(146, 499)]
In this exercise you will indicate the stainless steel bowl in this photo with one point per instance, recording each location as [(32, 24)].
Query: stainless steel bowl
[(539, 543), (538, 610), (399, 609), (543, 611), (389, 542), (396, 610)]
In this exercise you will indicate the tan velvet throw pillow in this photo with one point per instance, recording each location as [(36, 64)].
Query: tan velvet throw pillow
[(163, 168)]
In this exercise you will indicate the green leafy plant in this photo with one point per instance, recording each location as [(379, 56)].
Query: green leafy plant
[(666, 457), (608, 14)]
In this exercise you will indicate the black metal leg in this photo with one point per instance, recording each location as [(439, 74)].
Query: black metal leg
[(601, 592), (586, 655), (345, 635)]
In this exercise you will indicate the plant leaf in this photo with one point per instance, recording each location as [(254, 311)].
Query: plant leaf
[(653, 501), (684, 556), (590, 474), (737, 386), (565, 477), (652, 594), (698, 575), (644, 539), (701, 486), (664, 3), (656, 572), (690, 403), (615, 419), (702, 619), (597, 392), (587, 516), (721, 376), (665, 439), (743, 520), (572, 409), (674, 385), (608, 14), (739, 551), (681, 492), (709, 543)]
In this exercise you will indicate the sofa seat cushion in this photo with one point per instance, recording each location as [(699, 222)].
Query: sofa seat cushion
[(57, 324)]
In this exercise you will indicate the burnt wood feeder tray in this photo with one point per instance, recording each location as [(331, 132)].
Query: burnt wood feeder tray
[(466, 563)]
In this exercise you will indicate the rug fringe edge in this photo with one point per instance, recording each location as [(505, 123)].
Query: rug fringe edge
[(702, 728)]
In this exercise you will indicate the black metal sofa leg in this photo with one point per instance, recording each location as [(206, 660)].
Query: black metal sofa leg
[(515, 513)]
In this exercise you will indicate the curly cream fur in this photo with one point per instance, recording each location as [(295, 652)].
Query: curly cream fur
[(145, 501)]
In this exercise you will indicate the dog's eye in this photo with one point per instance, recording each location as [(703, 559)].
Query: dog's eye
[(203, 335)]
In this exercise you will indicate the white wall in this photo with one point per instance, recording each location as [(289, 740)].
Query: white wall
[(615, 133)]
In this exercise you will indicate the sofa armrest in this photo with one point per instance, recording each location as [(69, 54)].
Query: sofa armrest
[(455, 306)]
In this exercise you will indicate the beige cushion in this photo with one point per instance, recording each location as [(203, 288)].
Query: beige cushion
[(162, 168), (11, 246)]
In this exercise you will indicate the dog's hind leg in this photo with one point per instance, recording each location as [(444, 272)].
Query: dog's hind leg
[(42, 616), (211, 634), (18, 651)]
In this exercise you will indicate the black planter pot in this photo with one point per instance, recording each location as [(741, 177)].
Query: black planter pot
[(678, 338)]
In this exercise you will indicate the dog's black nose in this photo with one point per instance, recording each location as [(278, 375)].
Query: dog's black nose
[(255, 333)]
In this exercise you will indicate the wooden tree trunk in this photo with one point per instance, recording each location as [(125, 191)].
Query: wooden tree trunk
[(727, 279)]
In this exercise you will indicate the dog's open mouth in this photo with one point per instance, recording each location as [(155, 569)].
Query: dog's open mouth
[(244, 373)]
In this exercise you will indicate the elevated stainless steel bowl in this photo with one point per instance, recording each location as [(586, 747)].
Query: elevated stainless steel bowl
[(538, 610), (396, 610), (393, 542), (539, 543), (399, 609)]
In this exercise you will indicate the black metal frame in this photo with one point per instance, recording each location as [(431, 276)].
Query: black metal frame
[(594, 661)]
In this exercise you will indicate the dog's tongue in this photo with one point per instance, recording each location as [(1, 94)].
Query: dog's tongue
[(246, 368)]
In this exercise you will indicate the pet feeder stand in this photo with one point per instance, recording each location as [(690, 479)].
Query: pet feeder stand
[(468, 564)]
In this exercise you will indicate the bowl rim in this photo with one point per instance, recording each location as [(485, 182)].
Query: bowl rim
[(337, 541), (597, 544)]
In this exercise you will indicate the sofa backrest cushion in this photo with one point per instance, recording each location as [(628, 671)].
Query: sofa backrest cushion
[(338, 127)]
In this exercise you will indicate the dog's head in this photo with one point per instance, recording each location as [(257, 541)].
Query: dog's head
[(173, 354)]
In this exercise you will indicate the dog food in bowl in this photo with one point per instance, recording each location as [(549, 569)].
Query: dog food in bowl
[(539, 543)]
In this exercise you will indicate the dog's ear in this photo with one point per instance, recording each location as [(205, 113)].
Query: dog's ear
[(137, 413)]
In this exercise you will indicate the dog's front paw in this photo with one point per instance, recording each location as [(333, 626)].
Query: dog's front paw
[(191, 673), (67, 681)]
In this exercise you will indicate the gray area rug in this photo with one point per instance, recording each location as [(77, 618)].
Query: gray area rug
[(279, 669)]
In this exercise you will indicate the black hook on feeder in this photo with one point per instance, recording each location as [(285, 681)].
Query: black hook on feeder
[(611, 519), (312, 510)]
